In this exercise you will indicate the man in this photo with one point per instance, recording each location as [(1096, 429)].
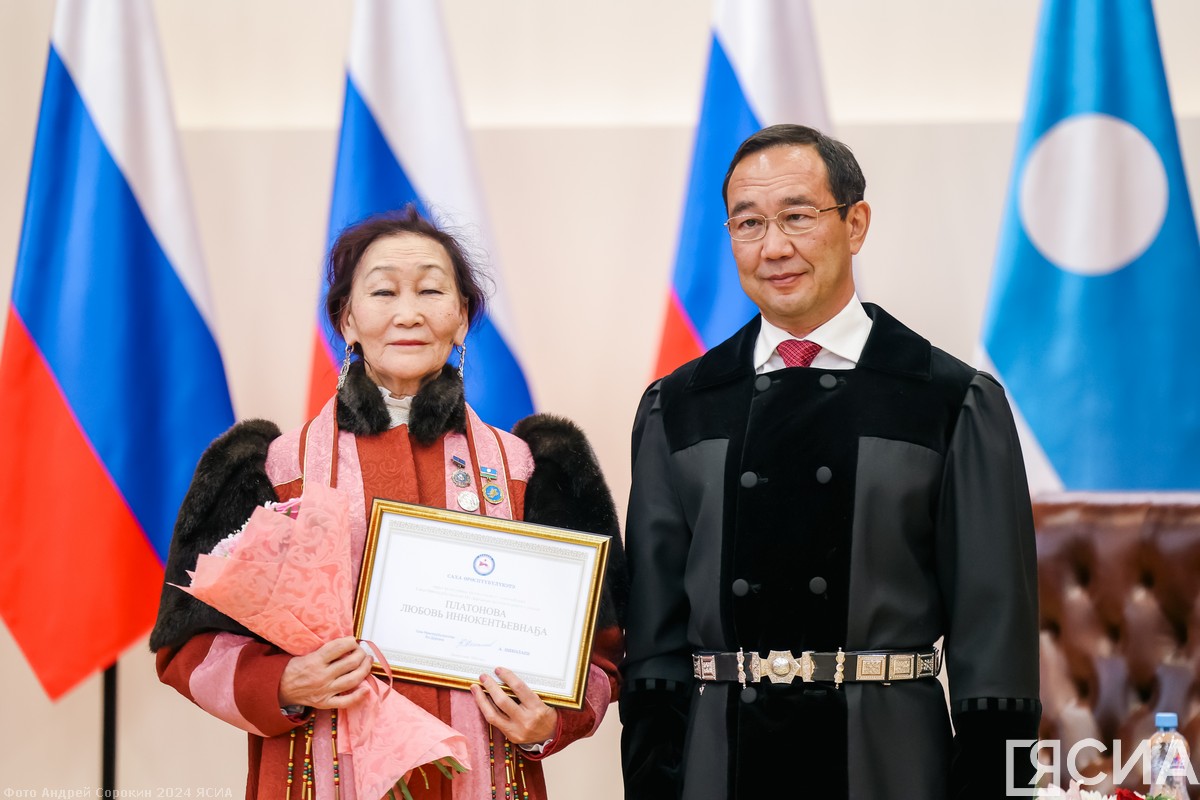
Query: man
[(808, 518)]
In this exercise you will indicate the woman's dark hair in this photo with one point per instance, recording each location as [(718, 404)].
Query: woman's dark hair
[(353, 242), (846, 180)]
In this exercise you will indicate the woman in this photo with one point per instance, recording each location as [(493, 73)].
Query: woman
[(403, 295)]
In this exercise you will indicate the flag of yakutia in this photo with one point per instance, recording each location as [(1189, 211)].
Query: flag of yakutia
[(1093, 322)]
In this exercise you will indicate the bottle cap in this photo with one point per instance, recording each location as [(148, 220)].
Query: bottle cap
[(1166, 719)]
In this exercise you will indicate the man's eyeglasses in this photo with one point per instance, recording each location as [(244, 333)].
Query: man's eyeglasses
[(794, 220)]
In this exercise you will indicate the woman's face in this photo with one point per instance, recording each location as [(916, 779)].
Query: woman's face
[(405, 311)]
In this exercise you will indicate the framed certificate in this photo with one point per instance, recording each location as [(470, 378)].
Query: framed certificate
[(447, 596)]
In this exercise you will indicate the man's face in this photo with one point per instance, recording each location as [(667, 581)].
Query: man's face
[(797, 281)]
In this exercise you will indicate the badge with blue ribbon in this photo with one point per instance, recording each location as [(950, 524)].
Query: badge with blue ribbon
[(460, 477)]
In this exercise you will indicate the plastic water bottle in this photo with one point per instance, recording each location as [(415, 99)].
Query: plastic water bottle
[(1169, 759)]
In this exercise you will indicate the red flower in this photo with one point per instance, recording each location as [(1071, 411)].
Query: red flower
[(1128, 794)]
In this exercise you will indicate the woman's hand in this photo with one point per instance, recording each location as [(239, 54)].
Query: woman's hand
[(331, 677), (524, 720)]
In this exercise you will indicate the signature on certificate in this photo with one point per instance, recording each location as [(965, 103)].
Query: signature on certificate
[(470, 643)]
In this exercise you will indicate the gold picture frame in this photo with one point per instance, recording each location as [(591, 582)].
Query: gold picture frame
[(447, 595)]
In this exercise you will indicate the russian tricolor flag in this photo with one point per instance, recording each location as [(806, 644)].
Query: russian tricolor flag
[(762, 70), (111, 384), (403, 141), (1093, 321)]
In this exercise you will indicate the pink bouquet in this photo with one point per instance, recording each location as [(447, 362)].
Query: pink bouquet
[(287, 576)]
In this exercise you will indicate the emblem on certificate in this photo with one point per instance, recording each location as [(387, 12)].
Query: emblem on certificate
[(484, 564), (447, 596)]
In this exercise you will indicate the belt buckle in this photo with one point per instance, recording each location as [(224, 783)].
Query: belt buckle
[(783, 667)]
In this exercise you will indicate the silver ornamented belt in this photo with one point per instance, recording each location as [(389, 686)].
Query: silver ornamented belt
[(780, 666)]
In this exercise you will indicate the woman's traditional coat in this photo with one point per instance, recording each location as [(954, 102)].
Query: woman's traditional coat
[(550, 475), (876, 508)]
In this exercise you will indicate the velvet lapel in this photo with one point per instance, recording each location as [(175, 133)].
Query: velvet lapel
[(729, 361), (894, 348)]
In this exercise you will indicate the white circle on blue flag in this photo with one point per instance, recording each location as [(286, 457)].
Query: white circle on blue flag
[(1093, 194)]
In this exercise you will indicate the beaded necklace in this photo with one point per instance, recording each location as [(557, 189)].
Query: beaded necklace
[(514, 769)]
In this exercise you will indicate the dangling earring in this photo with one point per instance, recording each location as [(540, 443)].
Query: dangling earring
[(345, 367), (462, 359)]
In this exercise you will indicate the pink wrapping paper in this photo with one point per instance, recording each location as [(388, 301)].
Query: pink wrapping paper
[(289, 580)]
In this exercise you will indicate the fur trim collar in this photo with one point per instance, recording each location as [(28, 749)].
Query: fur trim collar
[(438, 408)]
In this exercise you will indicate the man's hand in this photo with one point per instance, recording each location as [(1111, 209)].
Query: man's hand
[(333, 676), (524, 720)]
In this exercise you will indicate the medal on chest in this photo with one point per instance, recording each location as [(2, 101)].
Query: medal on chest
[(468, 501), (492, 491), (460, 477)]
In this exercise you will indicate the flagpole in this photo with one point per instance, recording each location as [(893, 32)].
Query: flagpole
[(108, 759)]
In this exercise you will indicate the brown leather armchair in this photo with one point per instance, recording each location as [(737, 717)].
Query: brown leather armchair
[(1119, 577)]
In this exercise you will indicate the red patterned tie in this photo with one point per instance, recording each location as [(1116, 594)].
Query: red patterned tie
[(798, 352)]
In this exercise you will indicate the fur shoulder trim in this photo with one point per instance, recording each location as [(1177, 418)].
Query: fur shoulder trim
[(567, 489), (230, 480), (560, 447)]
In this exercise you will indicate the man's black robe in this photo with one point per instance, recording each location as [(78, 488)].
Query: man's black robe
[(882, 507)]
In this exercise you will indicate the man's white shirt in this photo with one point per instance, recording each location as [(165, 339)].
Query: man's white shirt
[(842, 339)]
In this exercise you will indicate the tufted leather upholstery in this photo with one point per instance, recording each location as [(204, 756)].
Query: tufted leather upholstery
[(1119, 579)]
